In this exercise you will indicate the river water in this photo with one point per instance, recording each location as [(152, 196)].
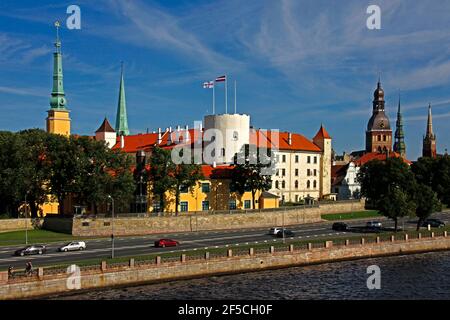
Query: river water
[(421, 276)]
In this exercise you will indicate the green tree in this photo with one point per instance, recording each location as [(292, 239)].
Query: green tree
[(251, 172), (185, 176), (161, 174), (385, 183), (427, 203)]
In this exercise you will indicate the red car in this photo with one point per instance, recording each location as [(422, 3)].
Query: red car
[(166, 243)]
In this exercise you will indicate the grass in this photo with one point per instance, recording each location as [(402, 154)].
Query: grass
[(34, 236), (351, 215)]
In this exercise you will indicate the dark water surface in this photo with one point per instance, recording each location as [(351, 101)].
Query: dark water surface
[(421, 276)]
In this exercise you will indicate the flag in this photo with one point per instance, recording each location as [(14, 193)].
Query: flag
[(221, 79), (208, 85)]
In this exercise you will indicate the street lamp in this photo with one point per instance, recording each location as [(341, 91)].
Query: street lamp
[(112, 227), (26, 219)]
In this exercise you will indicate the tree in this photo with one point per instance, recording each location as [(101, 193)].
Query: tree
[(185, 176), (249, 173), (387, 184), (161, 167), (427, 203)]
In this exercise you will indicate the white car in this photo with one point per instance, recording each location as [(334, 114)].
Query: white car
[(73, 246), (374, 225), (274, 231)]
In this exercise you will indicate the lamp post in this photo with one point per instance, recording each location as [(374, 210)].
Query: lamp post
[(112, 227), (26, 219)]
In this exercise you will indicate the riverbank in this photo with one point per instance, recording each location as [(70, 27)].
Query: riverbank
[(235, 261)]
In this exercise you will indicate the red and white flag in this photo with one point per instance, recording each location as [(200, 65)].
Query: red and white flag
[(208, 85), (221, 79)]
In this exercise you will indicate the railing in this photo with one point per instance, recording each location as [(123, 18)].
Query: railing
[(50, 272)]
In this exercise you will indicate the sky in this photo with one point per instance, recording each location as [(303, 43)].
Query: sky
[(297, 64)]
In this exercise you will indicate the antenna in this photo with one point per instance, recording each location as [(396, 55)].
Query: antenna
[(235, 99)]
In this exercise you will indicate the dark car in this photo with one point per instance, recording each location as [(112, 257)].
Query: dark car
[(162, 243), (36, 249), (340, 226), (287, 234), (434, 223)]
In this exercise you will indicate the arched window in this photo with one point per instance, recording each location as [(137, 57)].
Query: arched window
[(277, 185), (315, 184), (308, 184), (379, 137)]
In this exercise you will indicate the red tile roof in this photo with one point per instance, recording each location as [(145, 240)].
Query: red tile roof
[(379, 156), (105, 127), (268, 139), (322, 134)]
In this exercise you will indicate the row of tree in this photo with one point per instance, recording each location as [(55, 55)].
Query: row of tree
[(399, 190), (36, 167)]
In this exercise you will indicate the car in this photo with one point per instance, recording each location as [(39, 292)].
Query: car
[(30, 250), (434, 223), (162, 243), (374, 225), (287, 233), (274, 231), (340, 226), (73, 246)]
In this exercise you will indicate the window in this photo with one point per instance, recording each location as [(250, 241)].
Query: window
[(278, 172), (296, 184), (85, 224), (247, 204), (283, 172), (384, 138), (184, 206), (309, 159), (284, 158), (296, 172), (277, 185), (315, 184), (184, 189), (283, 184), (315, 159), (205, 188), (205, 205), (296, 159), (223, 152), (232, 204), (308, 172), (315, 172), (308, 184), (379, 137), (156, 206), (235, 136), (106, 224)]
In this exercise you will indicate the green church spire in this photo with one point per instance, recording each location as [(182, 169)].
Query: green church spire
[(58, 98), (121, 118), (400, 145)]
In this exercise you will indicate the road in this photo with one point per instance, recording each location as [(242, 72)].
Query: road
[(142, 245)]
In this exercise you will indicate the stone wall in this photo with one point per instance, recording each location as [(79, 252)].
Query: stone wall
[(98, 226), (104, 277), (15, 224)]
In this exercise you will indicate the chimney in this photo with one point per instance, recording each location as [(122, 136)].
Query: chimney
[(290, 138), (178, 128), (169, 138), (188, 138), (122, 142), (159, 136)]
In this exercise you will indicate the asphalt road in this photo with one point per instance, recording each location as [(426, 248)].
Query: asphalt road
[(141, 245)]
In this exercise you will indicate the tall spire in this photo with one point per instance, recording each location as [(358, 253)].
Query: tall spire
[(399, 145), (429, 140), (121, 118), (58, 100)]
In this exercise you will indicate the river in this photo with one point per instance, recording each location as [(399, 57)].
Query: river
[(420, 276)]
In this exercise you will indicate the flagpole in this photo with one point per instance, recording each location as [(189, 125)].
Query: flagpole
[(235, 97), (226, 100), (214, 97)]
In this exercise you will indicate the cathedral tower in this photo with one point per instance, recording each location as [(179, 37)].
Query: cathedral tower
[(121, 117), (58, 119), (400, 146), (429, 140), (379, 133)]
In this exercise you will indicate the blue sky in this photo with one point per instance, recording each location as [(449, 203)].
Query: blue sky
[(298, 63)]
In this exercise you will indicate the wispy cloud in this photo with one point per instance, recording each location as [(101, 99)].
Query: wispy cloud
[(34, 92)]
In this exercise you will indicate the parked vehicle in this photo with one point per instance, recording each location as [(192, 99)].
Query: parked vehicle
[(340, 226), (274, 231), (434, 223), (287, 233), (374, 225), (162, 243), (73, 246), (30, 250)]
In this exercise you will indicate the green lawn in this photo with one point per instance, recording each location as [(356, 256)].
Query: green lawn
[(351, 215), (34, 236)]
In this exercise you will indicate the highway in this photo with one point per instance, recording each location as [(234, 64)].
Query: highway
[(142, 245)]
